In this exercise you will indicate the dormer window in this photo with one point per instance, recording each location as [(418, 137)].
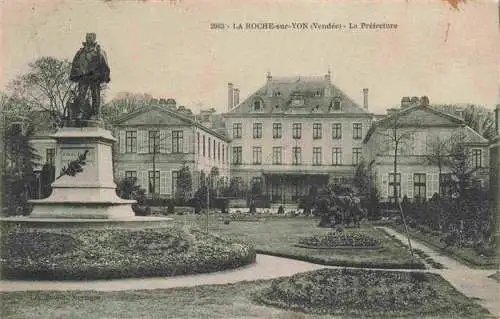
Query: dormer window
[(336, 104), (276, 93), (297, 100), (257, 105)]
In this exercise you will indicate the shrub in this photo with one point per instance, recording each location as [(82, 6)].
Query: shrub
[(170, 207), (281, 210)]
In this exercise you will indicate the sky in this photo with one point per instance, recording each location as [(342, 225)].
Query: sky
[(167, 48)]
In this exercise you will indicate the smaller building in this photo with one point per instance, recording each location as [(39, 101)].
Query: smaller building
[(419, 133), (156, 141)]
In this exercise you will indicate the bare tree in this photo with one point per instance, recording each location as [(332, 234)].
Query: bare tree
[(477, 117), (398, 133), (46, 87), (124, 103), (438, 153)]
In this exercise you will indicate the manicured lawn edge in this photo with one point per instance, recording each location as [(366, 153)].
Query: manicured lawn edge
[(451, 252), (343, 263)]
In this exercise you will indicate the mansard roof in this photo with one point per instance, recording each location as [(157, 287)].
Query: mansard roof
[(314, 95)]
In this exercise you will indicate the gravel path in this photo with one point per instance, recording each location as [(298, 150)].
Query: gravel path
[(472, 282)]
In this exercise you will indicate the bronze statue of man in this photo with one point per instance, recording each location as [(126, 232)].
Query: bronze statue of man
[(89, 69)]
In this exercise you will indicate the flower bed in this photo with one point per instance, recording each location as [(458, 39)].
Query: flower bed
[(339, 239), (117, 253), (357, 292)]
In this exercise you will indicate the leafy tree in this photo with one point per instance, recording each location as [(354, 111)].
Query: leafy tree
[(184, 185), (20, 158)]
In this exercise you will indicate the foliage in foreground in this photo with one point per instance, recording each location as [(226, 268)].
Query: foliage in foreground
[(359, 292), (117, 253)]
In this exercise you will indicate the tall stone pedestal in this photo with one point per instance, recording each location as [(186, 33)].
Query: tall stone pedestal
[(89, 194)]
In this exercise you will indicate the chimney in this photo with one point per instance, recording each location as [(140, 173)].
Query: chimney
[(328, 76), (414, 101), (405, 102), (269, 77), (365, 98), (236, 96), (171, 103), (424, 101), (230, 96)]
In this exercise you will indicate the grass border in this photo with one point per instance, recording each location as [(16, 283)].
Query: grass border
[(343, 263), (451, 253)]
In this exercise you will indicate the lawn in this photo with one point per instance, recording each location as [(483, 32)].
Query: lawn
[(279, 236), (214, 301)]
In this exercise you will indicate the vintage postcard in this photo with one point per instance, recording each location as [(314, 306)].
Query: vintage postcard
[(249, 159)]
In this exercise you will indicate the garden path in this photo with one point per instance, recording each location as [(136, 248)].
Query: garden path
[(472, 282)]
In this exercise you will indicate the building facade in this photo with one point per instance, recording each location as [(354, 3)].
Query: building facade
[(422, 135), (295, 132), (156, 141)]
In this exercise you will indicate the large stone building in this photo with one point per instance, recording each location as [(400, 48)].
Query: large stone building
[(294, 132), (420, 131), (167, 138)]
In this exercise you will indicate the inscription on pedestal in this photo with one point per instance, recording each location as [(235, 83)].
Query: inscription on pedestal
[(71, 154)]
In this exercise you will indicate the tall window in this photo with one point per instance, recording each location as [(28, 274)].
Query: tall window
[(154, 182), (227, 154), (209, 146), (154, 140), (394, 180), (214, 147), (50, 156), (257, 155), (277, 154), (296, 156), (336, 156), (175, 178), (177, 141), (337, 130), (445, 184), (419, 183), (237, 155), (218, 151), (257, 130), (223, 158), (131, 141), (316, 156), (357, 131), (130, 174), (476, 158), (317, 131), (236, 130), (356, 155), (277, 130), (297, 130), (203, 145)]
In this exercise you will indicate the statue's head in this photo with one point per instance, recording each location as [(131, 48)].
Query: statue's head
[(90, 38)]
